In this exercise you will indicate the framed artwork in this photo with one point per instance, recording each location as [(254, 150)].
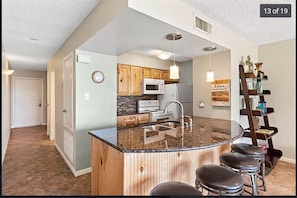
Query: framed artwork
[(220, 93)]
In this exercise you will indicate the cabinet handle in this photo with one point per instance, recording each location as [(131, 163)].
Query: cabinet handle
[(64, 111)]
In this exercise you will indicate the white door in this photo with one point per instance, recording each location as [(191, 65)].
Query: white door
[(27, 102), (68, 106), (51, 106)]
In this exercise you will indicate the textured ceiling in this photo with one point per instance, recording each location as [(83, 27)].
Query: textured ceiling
[(33, 30), (243, 17)]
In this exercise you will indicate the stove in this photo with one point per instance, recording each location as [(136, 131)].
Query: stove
[(145, 106), (153, 108)]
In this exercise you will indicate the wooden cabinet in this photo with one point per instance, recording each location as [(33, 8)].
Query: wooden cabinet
[(135, 81), (157, 73), (119, 121), (143, 118), (123, 80), (129, 120), (132, 120), (255, 131), (147, 72), (129, 80)]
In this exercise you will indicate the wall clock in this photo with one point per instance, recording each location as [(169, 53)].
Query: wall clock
[(97, 76)]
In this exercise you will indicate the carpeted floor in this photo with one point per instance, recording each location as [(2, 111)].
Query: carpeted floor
[(33, 166)]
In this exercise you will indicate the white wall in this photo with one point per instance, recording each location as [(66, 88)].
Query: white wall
[(100, 110), (101, 15), (238, 45), (5, 105), (144, 61), (186, 72), (279, 64)]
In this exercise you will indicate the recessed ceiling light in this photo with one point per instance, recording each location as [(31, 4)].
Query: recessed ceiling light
[(208, 49), (173, 36)]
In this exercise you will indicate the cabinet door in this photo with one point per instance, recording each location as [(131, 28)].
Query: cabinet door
[(166, 75), (129, 120), (119, 121), (156, 73), (123, 80), (143, 118), (147, 72), (135, 81)]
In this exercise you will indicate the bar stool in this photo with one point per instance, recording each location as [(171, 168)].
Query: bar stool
[(174, 188), (254, 152), (219, 180), (244, 165)]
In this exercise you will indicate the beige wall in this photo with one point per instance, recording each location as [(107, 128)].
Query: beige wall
[(6, 104), (221, 66), (35, 74), (279, 64)]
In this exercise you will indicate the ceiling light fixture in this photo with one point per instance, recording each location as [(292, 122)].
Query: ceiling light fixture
[(174, 69), (8, 72), (163, 55), (210, 74)]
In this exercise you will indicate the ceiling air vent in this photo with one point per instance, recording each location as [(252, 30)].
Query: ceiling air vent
[(202, 25)]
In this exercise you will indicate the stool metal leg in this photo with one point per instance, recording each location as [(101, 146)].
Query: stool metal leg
[(254, 184)]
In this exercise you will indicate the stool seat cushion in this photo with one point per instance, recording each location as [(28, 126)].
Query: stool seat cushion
[(248, 149), (219, 178), (240, 161), (174, 188)]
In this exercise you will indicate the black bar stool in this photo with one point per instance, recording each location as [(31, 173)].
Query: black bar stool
[(174, 188), (244, 165), (254, 152), (219, 180)]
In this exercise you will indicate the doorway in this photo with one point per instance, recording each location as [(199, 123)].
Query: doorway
[(27, 102)]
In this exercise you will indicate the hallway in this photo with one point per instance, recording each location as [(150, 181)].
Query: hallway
[(33, 166)]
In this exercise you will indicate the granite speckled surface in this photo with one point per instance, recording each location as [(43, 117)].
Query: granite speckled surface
[(204, 133)]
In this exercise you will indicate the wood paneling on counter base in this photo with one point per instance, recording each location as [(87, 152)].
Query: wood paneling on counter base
[(116, 173)]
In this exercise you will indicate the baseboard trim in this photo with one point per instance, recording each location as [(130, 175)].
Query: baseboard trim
[(289, 160), (74, 172)]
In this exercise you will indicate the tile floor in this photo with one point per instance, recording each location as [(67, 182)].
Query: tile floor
[(33, 166)]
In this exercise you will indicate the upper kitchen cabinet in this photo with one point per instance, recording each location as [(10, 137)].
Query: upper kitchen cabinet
[(129, 80), (147, 72), (135, 81)]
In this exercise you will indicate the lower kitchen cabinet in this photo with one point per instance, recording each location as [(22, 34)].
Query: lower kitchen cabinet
[(130, 120)]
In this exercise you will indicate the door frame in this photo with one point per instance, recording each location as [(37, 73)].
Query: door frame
[(14, 99)]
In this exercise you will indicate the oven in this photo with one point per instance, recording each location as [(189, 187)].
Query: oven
[(153, 108)]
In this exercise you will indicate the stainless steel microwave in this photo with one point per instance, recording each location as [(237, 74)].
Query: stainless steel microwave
[(152, 86)]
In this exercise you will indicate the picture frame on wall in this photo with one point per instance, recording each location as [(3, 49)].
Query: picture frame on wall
[(220, 93)]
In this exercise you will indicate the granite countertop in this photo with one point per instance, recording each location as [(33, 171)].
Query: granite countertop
[(205, 133)]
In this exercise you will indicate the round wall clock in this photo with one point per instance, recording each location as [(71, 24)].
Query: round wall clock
[(97, 76)]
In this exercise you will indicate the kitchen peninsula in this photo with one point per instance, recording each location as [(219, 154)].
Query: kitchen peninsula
[(131, 161)]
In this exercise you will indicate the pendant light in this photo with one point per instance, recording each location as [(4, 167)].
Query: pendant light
[(174, 69), (210, 74)]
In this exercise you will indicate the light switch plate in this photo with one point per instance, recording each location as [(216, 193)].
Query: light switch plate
[(87, 96), (201, 104)]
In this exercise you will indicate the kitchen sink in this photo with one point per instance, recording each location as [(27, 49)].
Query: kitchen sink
[(157, 127), (172, 124), (162, 128)]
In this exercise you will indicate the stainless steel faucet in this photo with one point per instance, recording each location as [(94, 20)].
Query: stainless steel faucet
[(182, 111)]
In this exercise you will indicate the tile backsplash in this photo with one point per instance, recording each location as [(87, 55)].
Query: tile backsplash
[(128, 104)]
